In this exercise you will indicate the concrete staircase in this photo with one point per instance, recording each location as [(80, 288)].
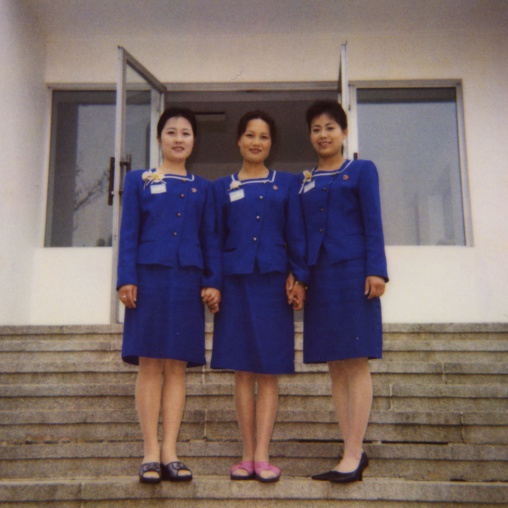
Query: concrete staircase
[(438, 435)]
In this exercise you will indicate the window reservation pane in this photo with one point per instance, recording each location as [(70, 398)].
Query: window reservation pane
[(412, 136), (82, 142)]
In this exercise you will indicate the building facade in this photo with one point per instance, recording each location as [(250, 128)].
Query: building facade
[(195, 47)]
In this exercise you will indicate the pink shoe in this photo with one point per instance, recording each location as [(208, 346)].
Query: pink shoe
[(266, 466), (246, 465)]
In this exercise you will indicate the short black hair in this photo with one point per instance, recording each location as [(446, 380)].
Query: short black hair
[(331, 108), (177, 112), (254, 115)]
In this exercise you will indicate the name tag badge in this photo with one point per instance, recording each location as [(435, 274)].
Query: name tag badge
[(309, 186), (236, 195), (158, 188)]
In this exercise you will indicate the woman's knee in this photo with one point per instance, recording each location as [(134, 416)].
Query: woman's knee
[(267, 382), (174, 368), (151, 366)]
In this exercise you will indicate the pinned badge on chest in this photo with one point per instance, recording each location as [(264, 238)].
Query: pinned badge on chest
[(236, 195), (158, 188), (309, 186)]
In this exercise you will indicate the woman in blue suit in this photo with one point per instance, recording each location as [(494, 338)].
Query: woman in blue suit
[(263, 237), (346, 256), (169, 262)]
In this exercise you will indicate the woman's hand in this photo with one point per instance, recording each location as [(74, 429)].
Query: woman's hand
[(374, 286), (290, 283), (212, 298), (128, 295), (297, 297), (295, 292)]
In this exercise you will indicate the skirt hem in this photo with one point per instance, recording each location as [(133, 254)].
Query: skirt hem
[(134, 360)]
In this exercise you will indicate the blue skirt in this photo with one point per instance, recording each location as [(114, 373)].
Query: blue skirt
[(339, 321), (254, 328), (168, 321)]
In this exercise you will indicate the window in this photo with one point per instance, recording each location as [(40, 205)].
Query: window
[(82, 142), (412, 134)]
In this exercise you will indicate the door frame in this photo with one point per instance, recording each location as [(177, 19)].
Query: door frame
[(158, 89)]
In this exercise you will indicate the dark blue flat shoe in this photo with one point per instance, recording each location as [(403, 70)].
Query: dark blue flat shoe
[(149, 467), (170, 472)]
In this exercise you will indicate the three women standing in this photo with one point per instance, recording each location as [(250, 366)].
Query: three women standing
[(175, 232), (169, 262), (262, 235), (345, 253)]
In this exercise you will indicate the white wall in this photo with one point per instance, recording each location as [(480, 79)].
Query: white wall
[(428, 284), (23, 148), (71, 286)]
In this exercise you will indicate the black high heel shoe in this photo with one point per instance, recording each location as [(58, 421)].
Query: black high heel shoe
[(353, 476), (325, 477)]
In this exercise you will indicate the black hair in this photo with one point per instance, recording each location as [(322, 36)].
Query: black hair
[(177, 112), (253, 115), (331, 108)]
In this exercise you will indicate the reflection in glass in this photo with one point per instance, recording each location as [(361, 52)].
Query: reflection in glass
[(82, 142), (412, 136)]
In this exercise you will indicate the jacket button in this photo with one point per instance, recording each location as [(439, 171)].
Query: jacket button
[(321, 230), (175, 233), (178, 214), (257, 217), (322, 209), (260, 197), (255, 239), (324, 188), (182, 195)]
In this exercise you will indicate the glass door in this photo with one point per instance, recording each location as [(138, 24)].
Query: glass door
[(139, 103)]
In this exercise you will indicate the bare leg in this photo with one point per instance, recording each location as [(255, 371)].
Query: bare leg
[(266, 410), (173, 403), (246, 414), (355, 372), (148, 403), (340, 394)]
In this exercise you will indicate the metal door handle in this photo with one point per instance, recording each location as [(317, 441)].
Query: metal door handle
[(125, 167)]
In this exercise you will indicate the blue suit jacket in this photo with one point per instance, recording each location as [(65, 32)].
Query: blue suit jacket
[(173, 228), (261, 224), (345, 217)]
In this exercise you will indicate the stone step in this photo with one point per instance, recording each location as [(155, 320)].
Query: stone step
[(458, 462), (391, 342), (392, 373), (404, 338), (92, 343), (210, 491), (39, 426), (423, 331), (314, 397), (443, 369), (106, 356)]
